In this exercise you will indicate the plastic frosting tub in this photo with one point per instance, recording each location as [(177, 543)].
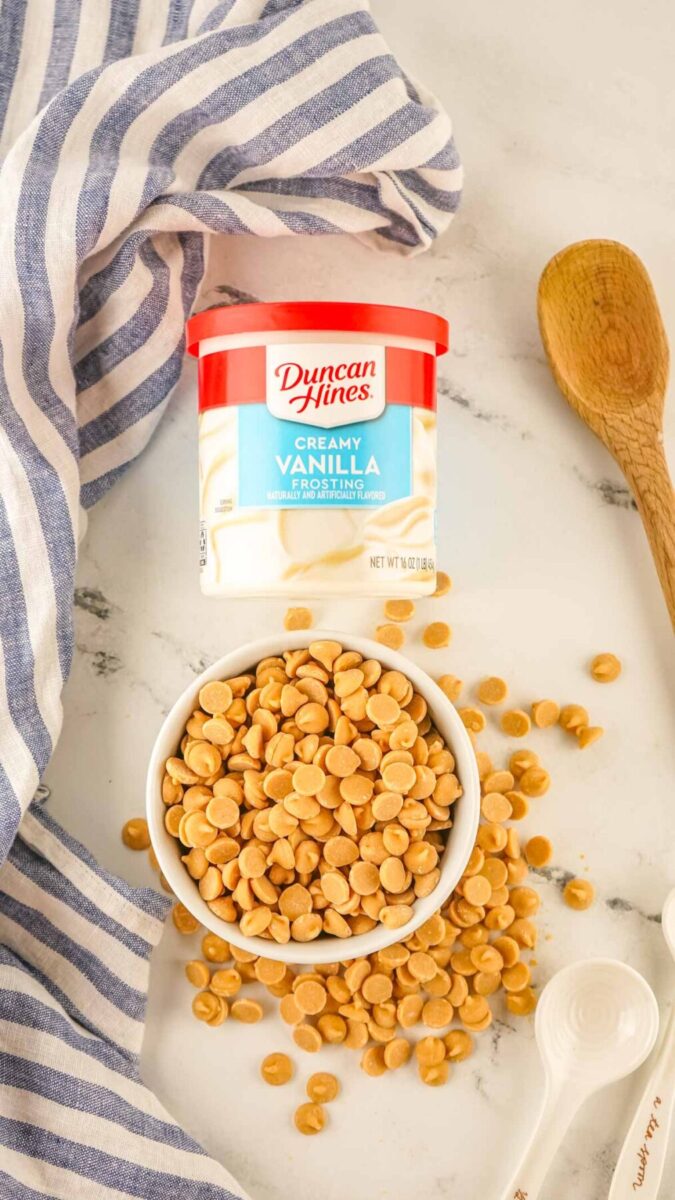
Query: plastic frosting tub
[(317, 448)]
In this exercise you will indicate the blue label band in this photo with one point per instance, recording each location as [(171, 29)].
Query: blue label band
[(283, 464)]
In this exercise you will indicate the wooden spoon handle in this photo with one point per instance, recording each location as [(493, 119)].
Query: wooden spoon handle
[(643, 462)]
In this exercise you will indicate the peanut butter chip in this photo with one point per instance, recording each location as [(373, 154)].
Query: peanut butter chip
[(422, 966), (477, 890), (306, 927), (298, 618), (311, 997), (184, 920), (588, 734), (579, 894), (308, 779), (535, 781), (203, 758), (276, 1069), (521, 1004), (226, 982), (519, 805), (198, 974), (397, 1053), (437, 635), (135, 834), (395, 916), (342, 761), (390, 635), (399, 610), (215, 697), (430, 1051), (443, 584), (290, 1011), (437, 1013), (209, 1008), (399, 777), (605, 668), (472, 718), (451, 685), (496, 807), (538, 851), (373, 1061), (307, 1038), (270, 972), (248, 1011), (515, 723), (322, 1087), (572, 717), (382, 710), (219, 731), (492, 690), (325, 652), (516, 978), (310, 1118), (223, 812), (459, 1045), (364, 878), (252, 862), (215, 949), (545, 713), (377, 988)]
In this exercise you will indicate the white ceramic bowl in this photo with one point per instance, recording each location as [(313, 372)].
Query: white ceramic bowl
[(324, 949)]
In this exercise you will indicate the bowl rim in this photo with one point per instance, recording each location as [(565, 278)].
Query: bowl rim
[(466, 809)]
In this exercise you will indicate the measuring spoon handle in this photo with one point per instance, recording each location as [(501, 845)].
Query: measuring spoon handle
[(557, 1113), (640, 1167)]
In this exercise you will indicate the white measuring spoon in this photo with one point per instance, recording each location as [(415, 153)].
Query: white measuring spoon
[(641, 1162), (596, 1021)]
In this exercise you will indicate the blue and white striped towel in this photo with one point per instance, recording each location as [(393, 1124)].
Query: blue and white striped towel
[(130, 128)]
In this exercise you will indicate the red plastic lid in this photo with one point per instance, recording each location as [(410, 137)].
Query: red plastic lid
[(317, 315)]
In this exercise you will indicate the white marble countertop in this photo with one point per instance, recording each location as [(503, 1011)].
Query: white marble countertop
[(560, 117)]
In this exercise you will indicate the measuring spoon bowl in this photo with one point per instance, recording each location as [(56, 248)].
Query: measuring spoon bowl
[(596, 1021)]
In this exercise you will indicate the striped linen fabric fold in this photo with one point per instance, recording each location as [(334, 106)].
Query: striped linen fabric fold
[(129, 131), (75, 1119)]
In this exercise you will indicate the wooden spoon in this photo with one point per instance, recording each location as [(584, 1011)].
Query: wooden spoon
[(606, 345)]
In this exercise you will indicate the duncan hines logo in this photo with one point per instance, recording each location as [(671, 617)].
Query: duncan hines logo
[(325, 384)]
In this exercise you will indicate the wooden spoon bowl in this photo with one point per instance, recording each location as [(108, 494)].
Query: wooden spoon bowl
[(607, 348)]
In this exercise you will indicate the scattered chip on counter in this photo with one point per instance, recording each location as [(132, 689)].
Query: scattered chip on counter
[(492, 690), (298, 618), (399, 610), (515, 723), (183, 919), (451, 685), (390, 635), (605, 668), (572, 717), (588, 734), (323, 1087), (579, 894), (135, 834), (545, 713), (443, 584), (276, 1069), (472, 718), (538, 851), (437, 635), (310, 1118)]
